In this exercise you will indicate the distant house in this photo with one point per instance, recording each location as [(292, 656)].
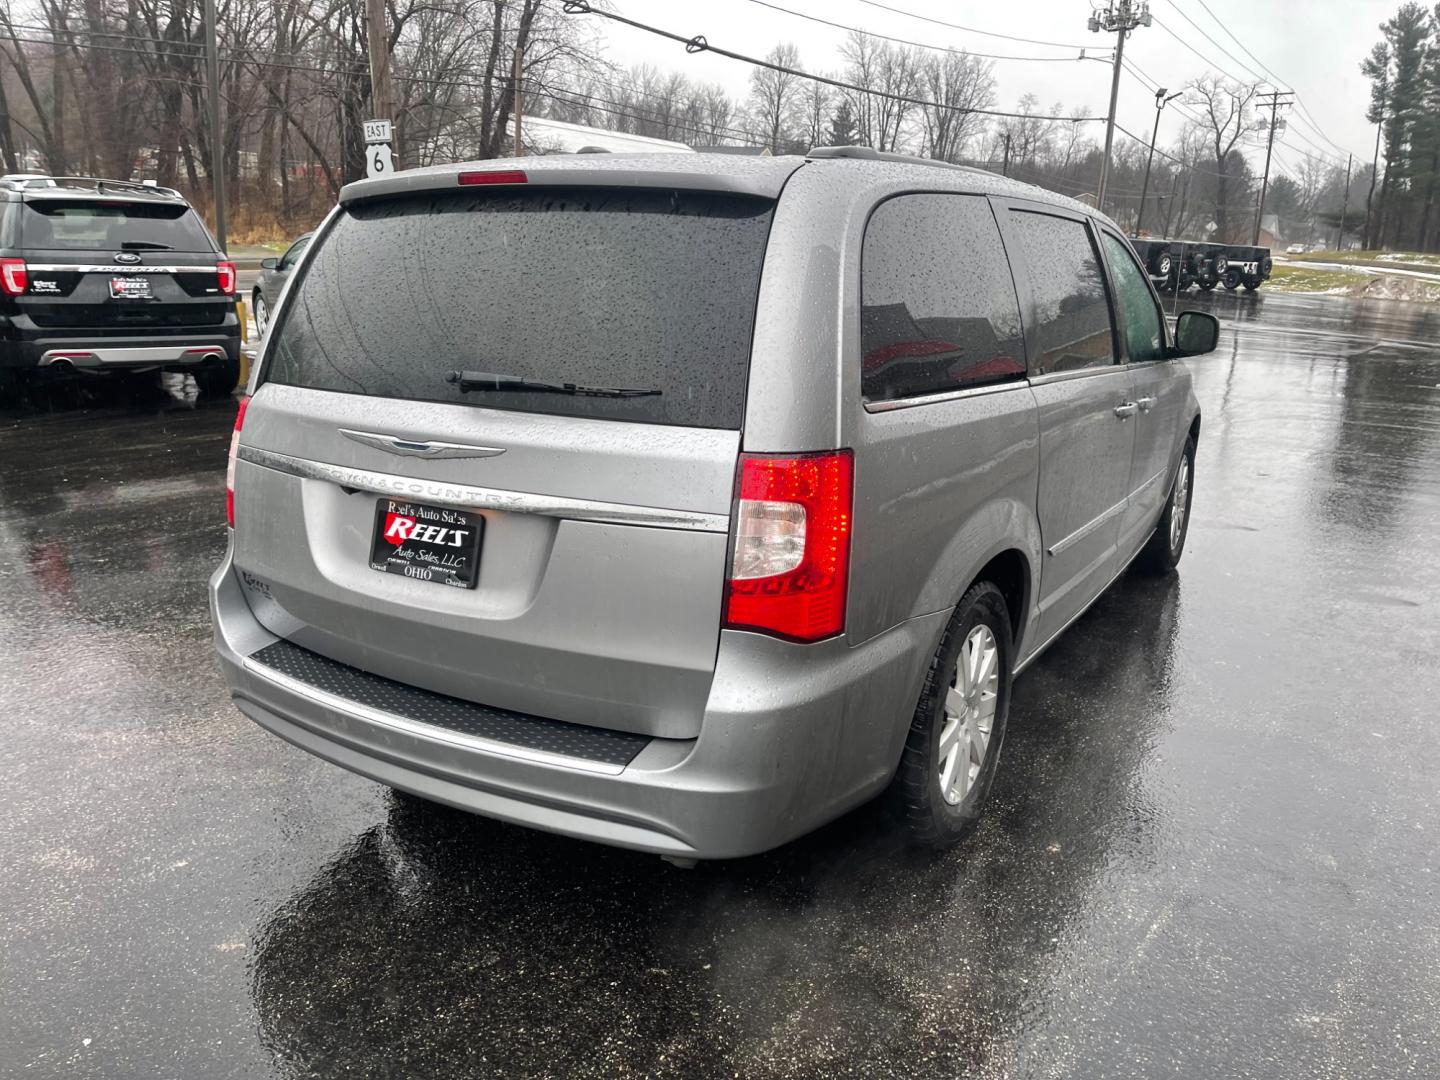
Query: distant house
[(544, 136)]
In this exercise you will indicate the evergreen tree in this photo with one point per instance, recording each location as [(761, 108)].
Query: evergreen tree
[(1407, 36), (842, 125)]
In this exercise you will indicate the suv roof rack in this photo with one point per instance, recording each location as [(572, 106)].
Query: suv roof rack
[(26, 181), (867, 153)]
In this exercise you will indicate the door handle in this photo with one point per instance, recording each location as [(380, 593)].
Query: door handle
[(1127, 410), (1145, 403)]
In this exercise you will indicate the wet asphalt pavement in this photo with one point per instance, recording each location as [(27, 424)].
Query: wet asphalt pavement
[(1212, 851)]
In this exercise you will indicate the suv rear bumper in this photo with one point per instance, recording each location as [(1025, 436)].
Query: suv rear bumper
[(131, 356), (792, 737)]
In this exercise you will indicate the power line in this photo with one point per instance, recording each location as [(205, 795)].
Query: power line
[(968, 29), (699, 43), (1269, 76), (1181, 12), (917, 44), (1277, 80)]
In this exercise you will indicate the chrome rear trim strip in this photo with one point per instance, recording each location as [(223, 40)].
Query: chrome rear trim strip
[(464, 497), (121, 269)]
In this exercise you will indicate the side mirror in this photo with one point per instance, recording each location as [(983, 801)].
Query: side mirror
[(1196, 333), (269, 264)]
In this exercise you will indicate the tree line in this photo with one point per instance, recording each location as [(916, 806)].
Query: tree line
[(1404, 73), (118, 89)]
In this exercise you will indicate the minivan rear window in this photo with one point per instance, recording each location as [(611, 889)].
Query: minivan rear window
[(87, 224), (595, 287)]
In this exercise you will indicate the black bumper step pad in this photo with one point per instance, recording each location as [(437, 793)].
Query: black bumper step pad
[(520, 730)]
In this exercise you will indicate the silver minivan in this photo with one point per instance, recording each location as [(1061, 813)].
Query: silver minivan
[(685, 502)]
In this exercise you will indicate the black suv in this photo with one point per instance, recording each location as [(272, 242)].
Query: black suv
[(103, 276)]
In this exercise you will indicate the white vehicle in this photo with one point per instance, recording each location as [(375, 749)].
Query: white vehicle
[(1295, 249)]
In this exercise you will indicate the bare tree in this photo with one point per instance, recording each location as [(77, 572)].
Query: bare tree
[(775, 98), (957, 83), (1225, 118)]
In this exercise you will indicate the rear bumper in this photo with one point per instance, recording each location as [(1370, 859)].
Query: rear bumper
[(792, 737), (130, 356), (24, 345)]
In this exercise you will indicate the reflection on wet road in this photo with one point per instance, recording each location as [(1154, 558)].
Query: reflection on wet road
[(1212, 853)]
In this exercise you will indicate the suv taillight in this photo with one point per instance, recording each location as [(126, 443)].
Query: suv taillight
[(792, 545), (230, 465), (228, 277), (14, 277)]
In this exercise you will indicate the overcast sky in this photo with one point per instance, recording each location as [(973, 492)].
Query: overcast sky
[(1313, 46)]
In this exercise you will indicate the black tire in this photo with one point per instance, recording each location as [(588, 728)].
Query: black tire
[(1161, 553), (1231, 280), (916, 792), (1221, 265), (1209, 286), (219, 378), (1251, 284)]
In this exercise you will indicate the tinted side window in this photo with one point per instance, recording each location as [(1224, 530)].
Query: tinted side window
[(1143, 336), (938, 309), (1073, 319), (293, 255)]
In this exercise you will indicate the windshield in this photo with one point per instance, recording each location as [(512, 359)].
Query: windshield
[(115, 225), (597, 287)]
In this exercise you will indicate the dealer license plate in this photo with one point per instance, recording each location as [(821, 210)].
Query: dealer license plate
[(427, 543)]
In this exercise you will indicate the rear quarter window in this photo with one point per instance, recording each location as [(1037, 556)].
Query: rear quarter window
[(635, 289), (938, 310)]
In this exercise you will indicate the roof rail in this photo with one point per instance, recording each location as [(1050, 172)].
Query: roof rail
[(22, 182), (867, 153)]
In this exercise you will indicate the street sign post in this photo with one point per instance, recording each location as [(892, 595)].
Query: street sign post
[(378, 158)]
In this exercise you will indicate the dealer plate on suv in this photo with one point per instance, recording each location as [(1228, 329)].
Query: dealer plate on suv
[(427, 543)]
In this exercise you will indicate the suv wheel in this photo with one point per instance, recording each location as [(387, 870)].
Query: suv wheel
[(262, 312), (1163, 550), (1162, 266), (218, 379), (1232, 279), (953, 747)]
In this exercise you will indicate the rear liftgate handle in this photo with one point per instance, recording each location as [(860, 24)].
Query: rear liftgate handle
[(1127, 410)]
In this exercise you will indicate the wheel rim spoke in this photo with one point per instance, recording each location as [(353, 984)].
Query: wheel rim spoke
[(970, 705)]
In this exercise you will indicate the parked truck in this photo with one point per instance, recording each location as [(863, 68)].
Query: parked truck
[(1178, 264)]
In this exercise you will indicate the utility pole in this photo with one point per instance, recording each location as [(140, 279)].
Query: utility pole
[(1160, 102), (217, 138), (382, 98), (1274, 107), (1345, 203), (1005, 165), (519, 103), (1119, 18), (1370, 199)]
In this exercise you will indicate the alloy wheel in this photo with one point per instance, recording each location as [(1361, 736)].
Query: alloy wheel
[(262, 315), (1179, 503), (970, 704)]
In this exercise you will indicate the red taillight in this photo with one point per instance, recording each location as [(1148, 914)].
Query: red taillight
[(496, 176), (14, 277), (228, 278), (230, 465), (791, 567)]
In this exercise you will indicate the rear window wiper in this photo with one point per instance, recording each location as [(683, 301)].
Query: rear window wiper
[(491, 380), (144, 245)]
